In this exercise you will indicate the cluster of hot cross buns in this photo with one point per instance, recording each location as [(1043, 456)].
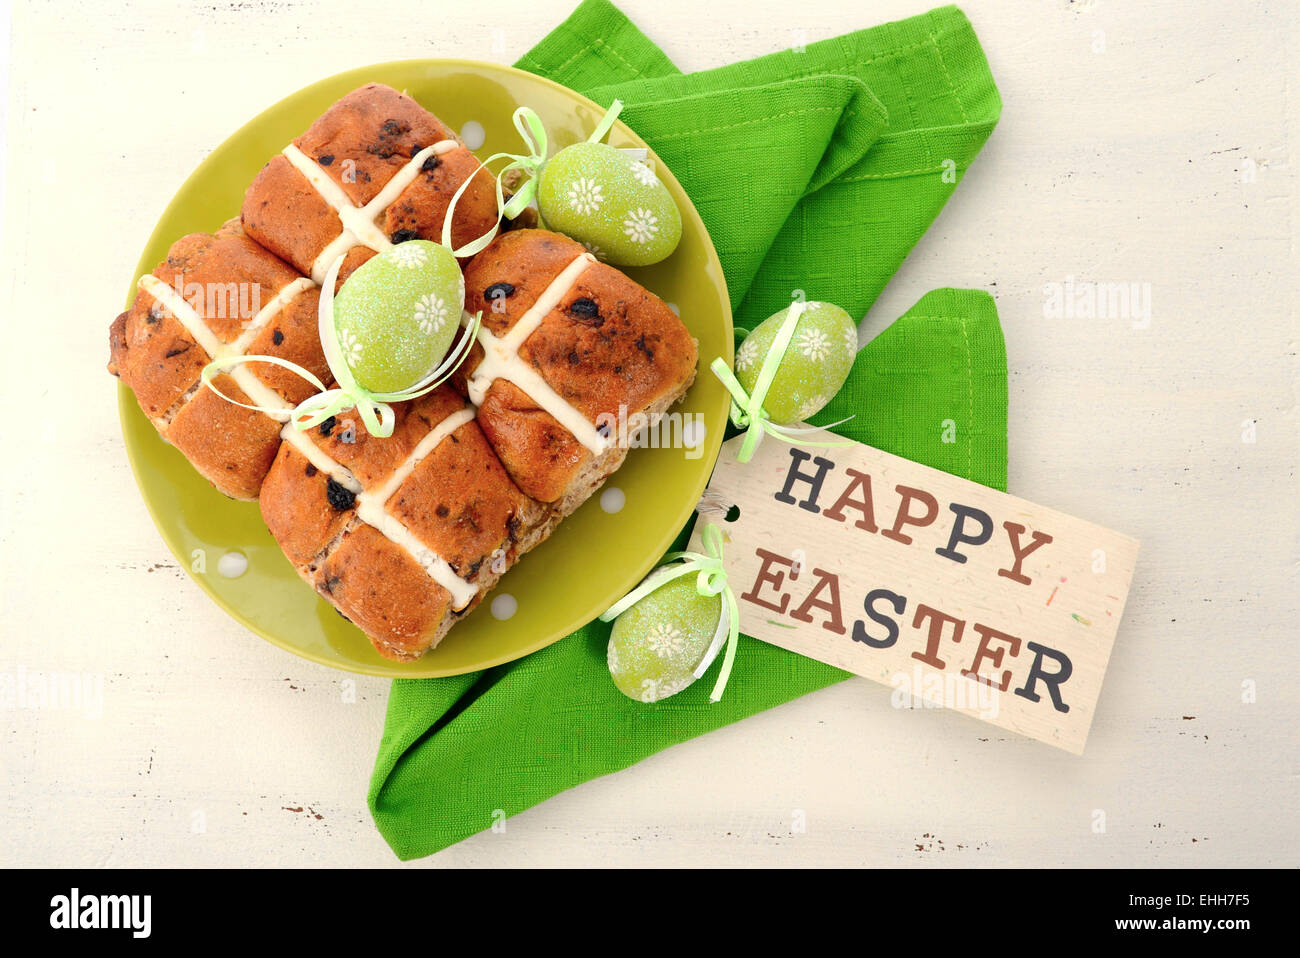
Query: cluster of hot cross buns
[(407, 533)]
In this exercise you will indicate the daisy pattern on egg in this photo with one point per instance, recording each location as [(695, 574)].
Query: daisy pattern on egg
[(612, 199), (641, 225), (585, 196), (746, 354), (397, 314), (644, 175), (350, 346), (665, 640), (409, 256), (657, 642), (814, 344), (815, 364), (593, 249), (431, 313), (652, 690)]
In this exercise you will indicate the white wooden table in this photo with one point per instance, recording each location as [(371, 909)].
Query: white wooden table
[(1140, 142)]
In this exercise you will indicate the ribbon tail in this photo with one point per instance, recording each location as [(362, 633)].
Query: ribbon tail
[(533, 132), (753, 438), (443, 371), (476, 245), (739, 398), (659, 577), (314, 410), (715, 646), (216, 366), (801, 430), (791, 435), (606, 122), (378, 417), (732, 612), (523, 196), (329, 339)]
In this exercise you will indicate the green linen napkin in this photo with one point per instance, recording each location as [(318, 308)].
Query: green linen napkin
[(814, 169)]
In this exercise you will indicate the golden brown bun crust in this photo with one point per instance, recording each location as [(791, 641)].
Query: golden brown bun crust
[(296, 508), (366, 137), (155, 355), (373, 460), (284, 213), (356, 257), (360, 143), (422, 206), (541, 455), (380, 588), (632, 352), (459, 501), (227, 279), (225, 276), (292, 334), (116, 342), (609, 347), (231, 446), (527, 260)]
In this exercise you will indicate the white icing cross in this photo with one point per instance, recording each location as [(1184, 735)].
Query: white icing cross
[(501, 360), (358, 222), (370, 504), (371, 509), (257, 391)]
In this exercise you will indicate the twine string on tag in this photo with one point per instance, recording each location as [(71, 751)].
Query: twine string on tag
[(712, 504)]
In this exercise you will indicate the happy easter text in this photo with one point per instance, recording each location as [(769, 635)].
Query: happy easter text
[(813, 484)]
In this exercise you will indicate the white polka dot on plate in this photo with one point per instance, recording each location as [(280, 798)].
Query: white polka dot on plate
[(504, 606), (232, 565), (473, 134), (613, 500)]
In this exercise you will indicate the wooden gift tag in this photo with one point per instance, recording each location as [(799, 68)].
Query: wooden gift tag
[(950, 592)]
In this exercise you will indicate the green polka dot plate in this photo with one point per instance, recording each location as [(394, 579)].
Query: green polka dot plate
[(595, 556)]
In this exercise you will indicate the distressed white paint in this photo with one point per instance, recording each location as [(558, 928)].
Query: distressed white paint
[(1121, 165)]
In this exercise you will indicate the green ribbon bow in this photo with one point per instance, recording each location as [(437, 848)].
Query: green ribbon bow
[(747, 410), (533, 132), (710, 579), (372, 407)]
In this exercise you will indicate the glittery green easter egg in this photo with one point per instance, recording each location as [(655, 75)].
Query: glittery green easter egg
[(655, 645), (397, 315), (611, 202), (815, 364)]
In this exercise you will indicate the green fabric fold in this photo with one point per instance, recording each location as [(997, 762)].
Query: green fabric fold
[(815, 169)]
